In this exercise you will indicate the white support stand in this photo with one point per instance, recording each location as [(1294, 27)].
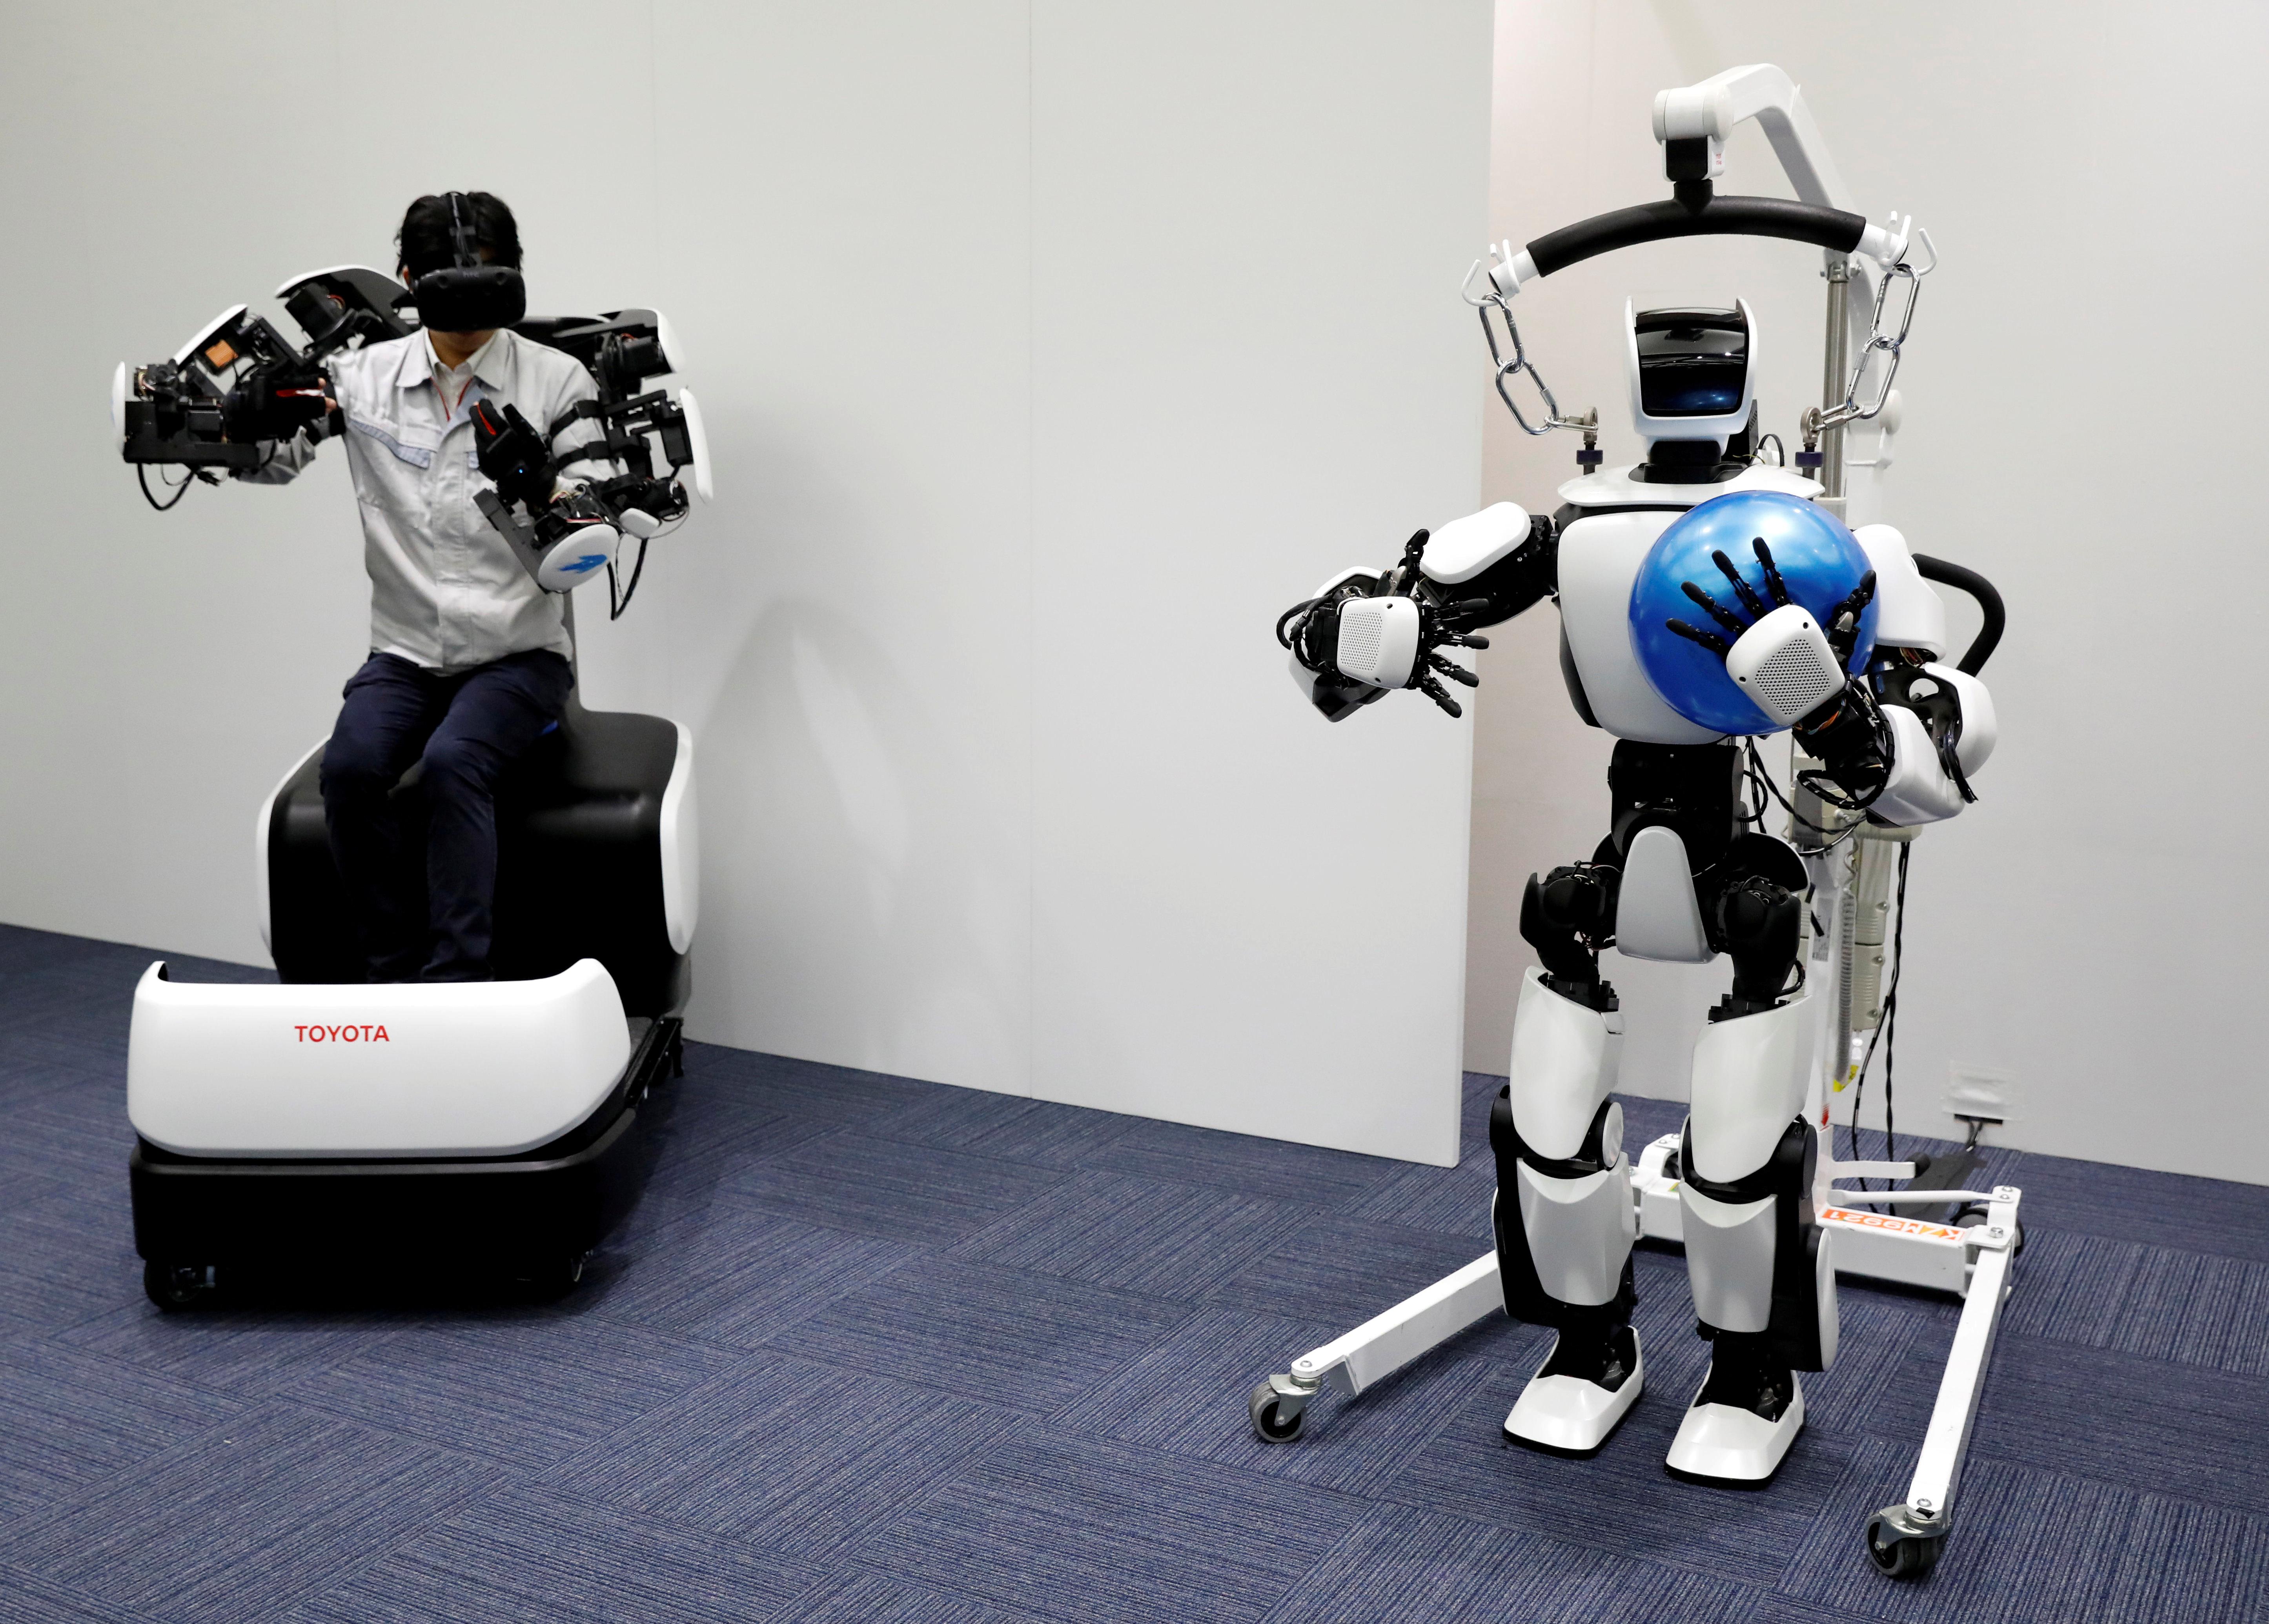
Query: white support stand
[(1904, 1541), (1381, 1346), (1969, 1261)]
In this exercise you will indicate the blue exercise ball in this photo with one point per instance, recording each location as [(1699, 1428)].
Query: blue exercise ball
[(1819, 561)]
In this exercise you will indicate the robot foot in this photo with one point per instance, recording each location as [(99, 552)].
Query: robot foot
[(1579, 1394), (1740, 1427)]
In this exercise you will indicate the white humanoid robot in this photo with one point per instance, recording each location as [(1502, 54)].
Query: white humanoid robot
[(1800, 625)]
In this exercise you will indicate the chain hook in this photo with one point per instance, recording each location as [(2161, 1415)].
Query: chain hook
[(1508, 369), (1881, 341)]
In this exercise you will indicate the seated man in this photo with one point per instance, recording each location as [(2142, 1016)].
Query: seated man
[(469, 657)]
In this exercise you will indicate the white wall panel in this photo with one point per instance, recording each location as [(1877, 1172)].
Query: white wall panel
[(1048, 351), (1250, 371)]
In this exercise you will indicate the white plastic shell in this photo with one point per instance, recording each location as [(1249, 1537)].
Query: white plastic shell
[(471, 1068), (1463, 548), (1564, 1062), (1378, 640), (1721, 427), (697, 433), (1656, 915), (1579, 1231), (1729, 1259), (578, 556), (1909, 612), (1600, 558), (1748, 1086), (1919, 791), (681, 847), (1784, 665)]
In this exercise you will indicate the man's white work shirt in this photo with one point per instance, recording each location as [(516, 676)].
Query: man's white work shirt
[(447, 592)]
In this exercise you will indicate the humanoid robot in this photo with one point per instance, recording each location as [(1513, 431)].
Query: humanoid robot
[(1707, 597)]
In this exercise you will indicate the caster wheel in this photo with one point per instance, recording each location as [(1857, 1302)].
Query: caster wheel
[(1897, 1550), (1269, 1424), (555, 1278), (176, 1286)]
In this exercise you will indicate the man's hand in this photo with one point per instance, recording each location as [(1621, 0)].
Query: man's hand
[(272, 403), (512, 454)]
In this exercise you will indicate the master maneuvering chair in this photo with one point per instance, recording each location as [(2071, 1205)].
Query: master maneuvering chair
[(589, 824)]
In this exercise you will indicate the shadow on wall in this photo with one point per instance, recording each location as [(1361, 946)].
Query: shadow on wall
[(877, 910)]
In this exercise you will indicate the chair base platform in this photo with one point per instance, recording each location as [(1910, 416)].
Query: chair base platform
[(534, 1213)]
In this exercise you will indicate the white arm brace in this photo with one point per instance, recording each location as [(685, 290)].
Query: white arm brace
[(1919, 790), (1909, 614)]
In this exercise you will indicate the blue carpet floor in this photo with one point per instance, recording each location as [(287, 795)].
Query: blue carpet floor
[(877, 1350)]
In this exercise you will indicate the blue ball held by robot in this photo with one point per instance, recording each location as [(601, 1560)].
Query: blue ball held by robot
[(1820, 564)]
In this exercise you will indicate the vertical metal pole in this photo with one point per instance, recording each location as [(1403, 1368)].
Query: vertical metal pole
[(1836, 374)]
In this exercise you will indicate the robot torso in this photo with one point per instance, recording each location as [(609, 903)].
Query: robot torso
[(1607, 525)]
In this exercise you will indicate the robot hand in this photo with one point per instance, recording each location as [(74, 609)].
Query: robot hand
[(1799, 674), (1781, 658), (1366, 632)]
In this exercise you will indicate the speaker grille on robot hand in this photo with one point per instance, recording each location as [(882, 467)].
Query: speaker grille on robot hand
[(1795, 678), (1361, 627)]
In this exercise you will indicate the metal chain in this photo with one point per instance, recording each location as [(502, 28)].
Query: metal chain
[(1881, 341), (1509, 369)]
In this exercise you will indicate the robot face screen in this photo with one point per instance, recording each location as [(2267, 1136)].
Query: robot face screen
[(1691, 363)]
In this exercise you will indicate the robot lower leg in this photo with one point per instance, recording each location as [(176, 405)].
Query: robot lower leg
[(1564, 1220), (1763, 1285)]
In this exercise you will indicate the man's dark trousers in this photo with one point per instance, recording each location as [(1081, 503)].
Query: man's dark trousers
[(432, 921)]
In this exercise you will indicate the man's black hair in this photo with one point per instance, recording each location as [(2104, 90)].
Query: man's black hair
[(423, 239)]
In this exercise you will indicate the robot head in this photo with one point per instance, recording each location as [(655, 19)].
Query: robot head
[(1692, 370)]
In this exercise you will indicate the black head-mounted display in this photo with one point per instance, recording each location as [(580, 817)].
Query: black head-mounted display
[(467, 296)]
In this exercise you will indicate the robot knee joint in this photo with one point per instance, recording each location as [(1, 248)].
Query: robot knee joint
[(1758, 922), (1565, 916)]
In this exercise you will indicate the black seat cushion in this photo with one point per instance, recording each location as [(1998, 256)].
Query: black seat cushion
[(579, 864)]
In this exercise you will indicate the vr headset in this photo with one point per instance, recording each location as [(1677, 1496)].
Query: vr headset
[(467, 296)]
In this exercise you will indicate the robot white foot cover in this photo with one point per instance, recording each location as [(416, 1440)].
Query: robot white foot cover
[(1567, 1415), (1726, 1444)]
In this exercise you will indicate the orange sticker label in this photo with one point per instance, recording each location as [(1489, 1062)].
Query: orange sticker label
[(1884, 1221)]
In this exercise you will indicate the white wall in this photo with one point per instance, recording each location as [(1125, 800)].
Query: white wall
[(1049, 350), (2082, 389)]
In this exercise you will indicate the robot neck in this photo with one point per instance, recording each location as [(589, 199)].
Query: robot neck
[(1685, 462)]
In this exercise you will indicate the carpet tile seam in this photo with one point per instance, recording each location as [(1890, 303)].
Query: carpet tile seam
[(530, 1481), (916, 1378)]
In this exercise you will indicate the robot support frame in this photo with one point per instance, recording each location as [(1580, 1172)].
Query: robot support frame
[(1708, 597)]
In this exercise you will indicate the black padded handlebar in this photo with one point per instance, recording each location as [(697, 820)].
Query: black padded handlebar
[(1714, 216), (1981, 647)]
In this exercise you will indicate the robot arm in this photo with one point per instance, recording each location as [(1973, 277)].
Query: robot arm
[(1898, 741), (576, 500), (241, 398), (1366, 631), (1704, 115), (1940, 715)]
